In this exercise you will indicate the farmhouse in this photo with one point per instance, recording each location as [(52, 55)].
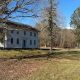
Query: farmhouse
[(17, 35)]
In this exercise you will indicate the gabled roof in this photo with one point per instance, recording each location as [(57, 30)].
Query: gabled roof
[(21, 26)]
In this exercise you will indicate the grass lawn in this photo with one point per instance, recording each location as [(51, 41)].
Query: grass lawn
[(15, 53), (61, 65), (57, 69)]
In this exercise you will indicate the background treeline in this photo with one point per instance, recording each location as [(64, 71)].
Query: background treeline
[(63, 38)]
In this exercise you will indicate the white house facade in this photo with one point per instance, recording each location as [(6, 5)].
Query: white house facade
[(20, 36)]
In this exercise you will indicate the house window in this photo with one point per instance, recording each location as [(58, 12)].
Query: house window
[(17, 32), (24, 32), (11, 40), (30, 42), (34, 34), (34, 42), (30, 33), (12, 31), (17, 40)]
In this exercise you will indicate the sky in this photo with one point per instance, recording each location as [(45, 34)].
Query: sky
[(67, 7)]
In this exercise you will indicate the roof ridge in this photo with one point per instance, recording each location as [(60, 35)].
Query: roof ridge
[(23, 25)]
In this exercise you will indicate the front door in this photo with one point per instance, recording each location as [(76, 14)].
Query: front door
[(24, 44)]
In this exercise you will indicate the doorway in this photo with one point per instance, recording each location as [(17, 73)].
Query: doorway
[(24, 44)]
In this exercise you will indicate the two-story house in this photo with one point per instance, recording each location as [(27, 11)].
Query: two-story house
[(16, 35)]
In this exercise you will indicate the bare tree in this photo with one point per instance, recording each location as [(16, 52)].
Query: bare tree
[(43, 34), (17, 8), (52, 14), (67, 39), (75, 24), (49, 17)]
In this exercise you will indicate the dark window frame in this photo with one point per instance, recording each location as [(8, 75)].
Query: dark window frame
[(11, 40), (34, 42), (24, 32), (17, 40), (30, 33), (17, 32), (34, 34), (30, 42), (12, 31)]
